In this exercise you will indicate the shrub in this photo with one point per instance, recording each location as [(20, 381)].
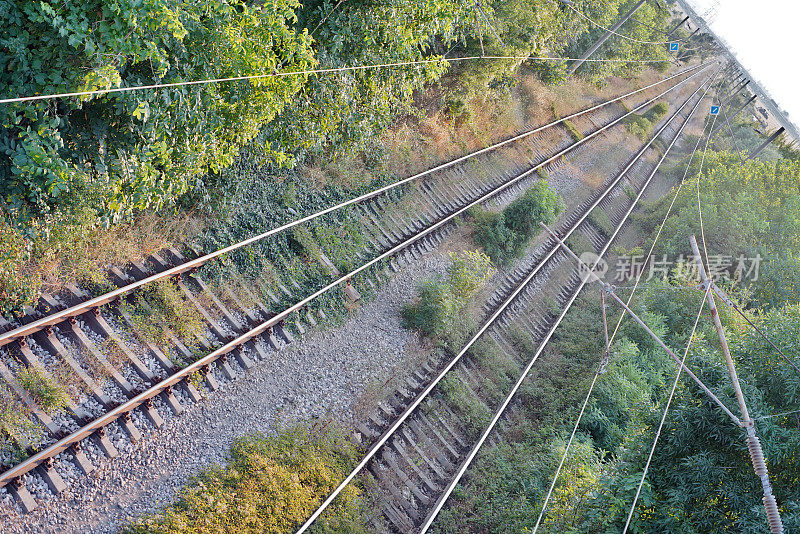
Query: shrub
[(437, 310), (17, 430), (270, 484), (504, 236)]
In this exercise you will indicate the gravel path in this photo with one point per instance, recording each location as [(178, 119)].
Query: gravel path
[(319, 376)]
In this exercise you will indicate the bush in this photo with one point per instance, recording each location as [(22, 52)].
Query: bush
[(642, 125), (505, 235), (437, 309), (269, 485)]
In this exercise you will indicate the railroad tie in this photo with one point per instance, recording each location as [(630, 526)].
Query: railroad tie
[(19, 489)]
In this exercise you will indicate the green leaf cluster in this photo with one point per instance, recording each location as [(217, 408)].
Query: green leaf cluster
[(504, 235)]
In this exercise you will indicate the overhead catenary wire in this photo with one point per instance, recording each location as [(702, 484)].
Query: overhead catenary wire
[(421, 397), (33, 461), (331, 70), (597, 374), (666, 410), (619, 34), (466, 463), (661, 227), (699, 204), (782, 414)]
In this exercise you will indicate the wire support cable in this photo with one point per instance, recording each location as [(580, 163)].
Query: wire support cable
[(733, 135), (738, 310), (782, 414), (619, 34), (597, 374), (310, 72), (666, 410), (424, 394), (473, 453)]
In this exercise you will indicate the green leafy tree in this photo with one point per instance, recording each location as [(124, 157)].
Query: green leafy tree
[(129, 151)]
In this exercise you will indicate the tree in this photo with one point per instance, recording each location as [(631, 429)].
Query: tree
[(129, 151)]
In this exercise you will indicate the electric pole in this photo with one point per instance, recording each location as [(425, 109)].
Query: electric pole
[(753, 443)]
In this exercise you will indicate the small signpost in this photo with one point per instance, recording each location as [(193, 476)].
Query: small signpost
[(673, 47), (715, 110)]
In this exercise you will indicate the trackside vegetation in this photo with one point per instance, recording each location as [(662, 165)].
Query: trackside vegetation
[(504, 235), (701, 478), (82, 176), (270, 484)]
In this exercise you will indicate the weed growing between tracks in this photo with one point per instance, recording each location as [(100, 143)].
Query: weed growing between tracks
[(504, 236), (160, 308), (270, 484), (48, 394), (438, 310)]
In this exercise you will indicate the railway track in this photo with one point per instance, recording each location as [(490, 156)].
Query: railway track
[(146, 382), (422, 439)]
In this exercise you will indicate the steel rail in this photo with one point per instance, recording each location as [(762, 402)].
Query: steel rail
[(154, 390), (78, 309), (424, 394), (551, 331)]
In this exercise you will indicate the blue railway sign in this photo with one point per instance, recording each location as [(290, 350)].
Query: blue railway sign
[(715, 110), (673, 47)]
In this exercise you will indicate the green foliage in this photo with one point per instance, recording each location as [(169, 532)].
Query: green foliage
[(700, 479), (16, 288), (474, 413), (748, 209), (128, 151), (270, 484), (600, 219), (48, 394), (505, 235), (437, 310)]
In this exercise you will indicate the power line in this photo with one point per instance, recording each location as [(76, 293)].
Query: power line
[(733, 136), (597, 374), (7, 337), (666, 409), (310, 71), (615, 33)]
